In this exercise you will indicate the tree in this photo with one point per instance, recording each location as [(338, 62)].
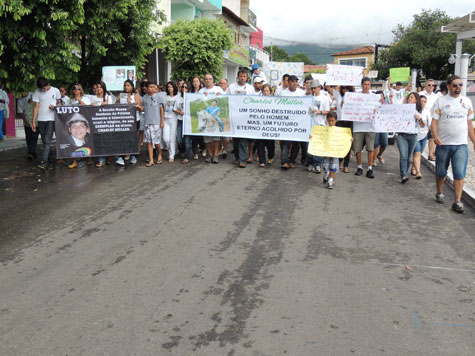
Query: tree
[(300, 57), (277, 54), (67, 41), (421, 45), (196, 47)]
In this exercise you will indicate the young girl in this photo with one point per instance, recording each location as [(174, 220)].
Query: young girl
[(154, 121), (171, 120), (101, 98)]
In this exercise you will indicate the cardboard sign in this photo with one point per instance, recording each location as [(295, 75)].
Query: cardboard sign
[(329, 141), (359, 107), (400, 74), (115, 76), (344, 75), (395, 118)]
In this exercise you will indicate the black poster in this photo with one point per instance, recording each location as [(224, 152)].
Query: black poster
[(91, 131)]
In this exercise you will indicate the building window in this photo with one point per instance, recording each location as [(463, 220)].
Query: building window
[(361, 62)]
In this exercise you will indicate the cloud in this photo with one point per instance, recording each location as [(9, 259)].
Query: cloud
[(343, 22)]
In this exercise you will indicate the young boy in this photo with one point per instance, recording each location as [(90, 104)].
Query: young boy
[(154, 121), (330, 164)]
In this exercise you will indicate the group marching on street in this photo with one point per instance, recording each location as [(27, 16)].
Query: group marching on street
[(443, 119)]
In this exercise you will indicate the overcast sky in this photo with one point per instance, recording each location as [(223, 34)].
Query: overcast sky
[(344, 21)]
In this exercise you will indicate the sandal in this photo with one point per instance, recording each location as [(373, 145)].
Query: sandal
[(171, 160), (73, 165), (418, 175), (159, 161), (100, 164), (413, 172), (149, 164), (346, 169), (185, 161), (431, 158)]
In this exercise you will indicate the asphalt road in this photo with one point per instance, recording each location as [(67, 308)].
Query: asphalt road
[(215, 260)]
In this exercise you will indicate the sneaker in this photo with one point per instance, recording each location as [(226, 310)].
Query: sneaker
[(369, 173), (120, 161), (359, 172), (284, 166), (317, 169), (224, 155), (133, 160), (439, 198), (330, 185), (208, 160), (458, 207), (43, 165), (310, 168), (195, 156), (215, 160), (404, 180), (325, 177)]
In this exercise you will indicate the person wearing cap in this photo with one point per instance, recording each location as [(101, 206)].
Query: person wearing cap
[(258, 82), (285, 146), (256, 72), (79, 131), (320, 109)]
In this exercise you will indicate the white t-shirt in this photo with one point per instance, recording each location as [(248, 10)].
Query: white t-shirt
[(297, 92), (169, 106), (65, 100), (74, 102), (398, 96), (45, 99), (321, 103), (96, 101), (261, 75), (452, 115), (213, 91), (426, 119), (430, 99), (179, 105), (246, 89)]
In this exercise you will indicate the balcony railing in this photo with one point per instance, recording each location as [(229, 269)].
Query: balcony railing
[(251, 18)]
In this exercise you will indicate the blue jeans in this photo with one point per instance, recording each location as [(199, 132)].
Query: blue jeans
[(314, 160), (405, 144), (46, 129), (2, 114), (240, 149), (421, 145), (180, 140), (455, 154), (381, 139)]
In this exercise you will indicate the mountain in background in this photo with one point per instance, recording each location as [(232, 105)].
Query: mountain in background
[(318, 54)]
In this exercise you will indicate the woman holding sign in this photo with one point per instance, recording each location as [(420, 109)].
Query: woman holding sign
[(406, 142), (422, 137)]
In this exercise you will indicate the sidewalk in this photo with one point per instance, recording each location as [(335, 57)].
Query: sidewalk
[(10, 143)]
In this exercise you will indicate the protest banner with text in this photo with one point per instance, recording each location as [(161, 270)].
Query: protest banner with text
[(88, 131), (395, 118), (329, 141), (402, 74), (256, 117), (359, 107), (344, 75)]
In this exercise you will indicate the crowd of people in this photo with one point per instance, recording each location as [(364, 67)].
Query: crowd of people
[(443, 119)]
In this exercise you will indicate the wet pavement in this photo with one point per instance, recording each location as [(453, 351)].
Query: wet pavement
[(214, 260)]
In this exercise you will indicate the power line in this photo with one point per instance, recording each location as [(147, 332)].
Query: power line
[(271, 38)]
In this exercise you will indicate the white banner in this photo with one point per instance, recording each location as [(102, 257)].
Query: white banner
[(359, 107), (395, 118), (344, 75), (255, 117)]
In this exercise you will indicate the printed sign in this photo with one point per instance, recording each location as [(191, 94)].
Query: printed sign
[(359, 107), (257, 117), (400, 74), (329, 141), (87, 131), (115, 76), (344, 75), (395, 118)]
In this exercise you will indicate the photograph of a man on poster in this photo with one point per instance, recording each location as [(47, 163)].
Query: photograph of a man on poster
[(78, 142), (210, 116)]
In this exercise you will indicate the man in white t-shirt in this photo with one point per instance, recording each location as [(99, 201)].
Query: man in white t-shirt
[(257, 72), (46, 98), (213, 143), (283, 85), (398, 93), (286, 162), (241, 145), (452, 123), (431, 97), (258, 82)]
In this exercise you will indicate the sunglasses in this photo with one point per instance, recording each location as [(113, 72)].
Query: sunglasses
[(76, 88), (185, 87), (457, 85), (431, 85)]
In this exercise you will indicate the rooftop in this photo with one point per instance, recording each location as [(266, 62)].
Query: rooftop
[(359, 50)]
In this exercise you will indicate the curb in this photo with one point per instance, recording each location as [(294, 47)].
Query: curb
[(468, 193)]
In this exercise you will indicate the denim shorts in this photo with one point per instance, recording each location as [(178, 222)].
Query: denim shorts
[(381, 139), (421, 145), (455, 154)]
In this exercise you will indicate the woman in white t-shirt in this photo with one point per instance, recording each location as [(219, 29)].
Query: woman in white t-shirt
[(101, 98), (171, 120), (422, 137), (129, 96)]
